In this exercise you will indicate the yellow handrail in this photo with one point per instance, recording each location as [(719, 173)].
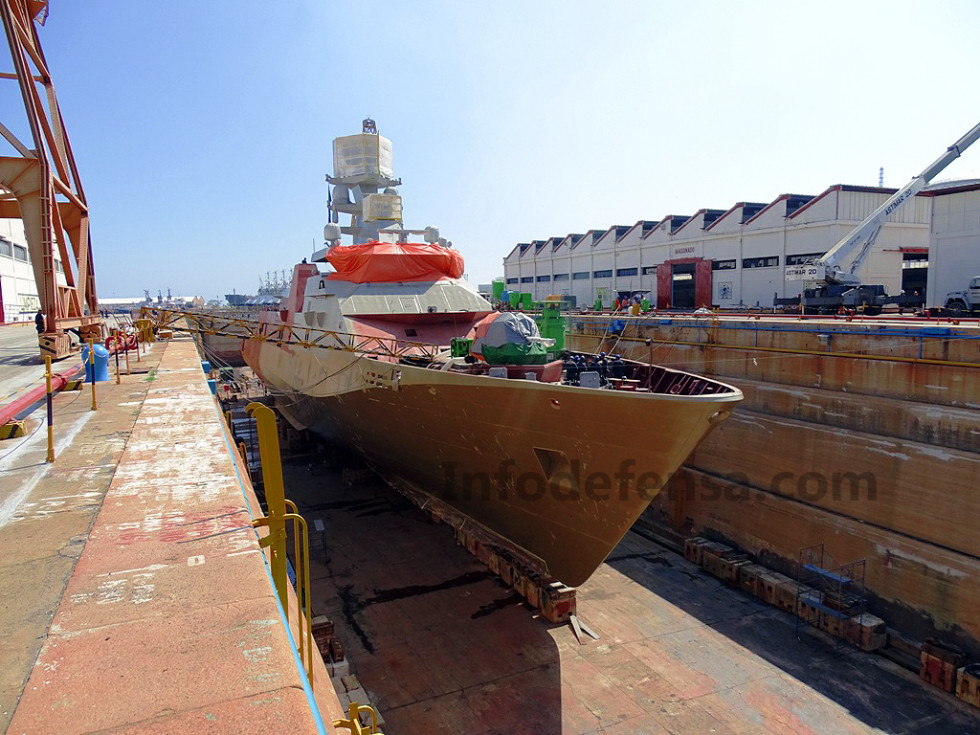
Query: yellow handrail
[(289, 334), (353, 723), (265, 423), (301, 553)]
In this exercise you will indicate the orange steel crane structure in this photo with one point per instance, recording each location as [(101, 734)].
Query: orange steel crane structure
[(42, 187)]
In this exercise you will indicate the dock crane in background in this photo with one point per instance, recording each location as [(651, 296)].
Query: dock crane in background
[(41, 186), (836, 287)]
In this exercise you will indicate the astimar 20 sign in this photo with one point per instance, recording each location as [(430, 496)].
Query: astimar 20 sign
[(802, 273)]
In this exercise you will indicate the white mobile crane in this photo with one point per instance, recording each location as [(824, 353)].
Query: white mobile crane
[(834, 287)]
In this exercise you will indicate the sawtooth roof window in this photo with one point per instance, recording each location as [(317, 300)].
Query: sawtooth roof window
[(770, 262), (801, 259)]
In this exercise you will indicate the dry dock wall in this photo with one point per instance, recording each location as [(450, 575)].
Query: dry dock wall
[(863, 436)]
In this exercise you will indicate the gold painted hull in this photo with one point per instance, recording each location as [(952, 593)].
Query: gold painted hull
[(561, 472)]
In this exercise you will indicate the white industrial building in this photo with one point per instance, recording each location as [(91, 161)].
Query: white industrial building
[(954, 238), (727, 258), (18, 289)]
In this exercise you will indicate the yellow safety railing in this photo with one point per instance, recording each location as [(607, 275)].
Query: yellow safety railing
[(289, 334), (353, 723), (265, 422)]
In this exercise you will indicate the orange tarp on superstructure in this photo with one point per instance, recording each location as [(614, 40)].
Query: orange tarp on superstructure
[(373, 262)]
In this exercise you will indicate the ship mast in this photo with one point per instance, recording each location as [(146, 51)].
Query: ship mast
[(364, 186)]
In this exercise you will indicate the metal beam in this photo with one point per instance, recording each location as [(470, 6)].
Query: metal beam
[(45, 181)]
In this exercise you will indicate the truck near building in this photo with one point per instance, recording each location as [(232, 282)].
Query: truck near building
[(959, 303), (833, 286)]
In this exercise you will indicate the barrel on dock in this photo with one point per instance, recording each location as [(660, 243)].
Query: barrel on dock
[(101, 363)]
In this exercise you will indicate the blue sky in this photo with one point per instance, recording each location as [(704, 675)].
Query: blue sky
[(203, 131)]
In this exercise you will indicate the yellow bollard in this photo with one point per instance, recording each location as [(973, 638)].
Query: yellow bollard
[(47, 379), (91, 362), (115, 350)]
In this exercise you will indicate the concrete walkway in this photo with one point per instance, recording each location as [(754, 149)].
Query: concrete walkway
[(133, 593)]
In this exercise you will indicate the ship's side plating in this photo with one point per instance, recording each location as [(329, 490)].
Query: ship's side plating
[(560, 471)]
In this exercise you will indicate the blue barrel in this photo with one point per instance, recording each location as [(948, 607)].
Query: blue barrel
[(205, 366), (101, 364)]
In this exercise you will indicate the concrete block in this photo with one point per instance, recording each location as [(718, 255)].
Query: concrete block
[(806, 608), (786, 590), (692, 549), (558, 602), (358, 695), (866, 631), (765, 586), (493, 561), (713, 548), (322, 627), (939, 665), (748, 577), (968, 684), (339, 669), (532, 590), (728, 568), (833, 623)]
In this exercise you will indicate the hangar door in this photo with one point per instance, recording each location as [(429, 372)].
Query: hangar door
[(684, 283)]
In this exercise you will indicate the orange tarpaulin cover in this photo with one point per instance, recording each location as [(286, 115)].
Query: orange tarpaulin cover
[(373, 262)]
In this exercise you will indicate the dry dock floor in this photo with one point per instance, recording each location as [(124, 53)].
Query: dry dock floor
[(441, 646)]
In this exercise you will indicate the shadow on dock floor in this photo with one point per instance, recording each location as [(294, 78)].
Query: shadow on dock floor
[(441, 646), (879, 693), (436, 641)]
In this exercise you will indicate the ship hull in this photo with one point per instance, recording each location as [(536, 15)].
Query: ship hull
[(558, 471), (223, 349)]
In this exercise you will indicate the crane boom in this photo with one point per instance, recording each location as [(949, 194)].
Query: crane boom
[(865, 234)]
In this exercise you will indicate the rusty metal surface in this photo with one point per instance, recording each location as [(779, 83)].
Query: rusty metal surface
[(890, 401), (43, 185)]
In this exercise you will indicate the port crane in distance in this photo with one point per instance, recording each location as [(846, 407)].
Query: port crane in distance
[(834, 287)]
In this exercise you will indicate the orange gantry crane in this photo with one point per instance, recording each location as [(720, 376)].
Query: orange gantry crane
[(41, 186)]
